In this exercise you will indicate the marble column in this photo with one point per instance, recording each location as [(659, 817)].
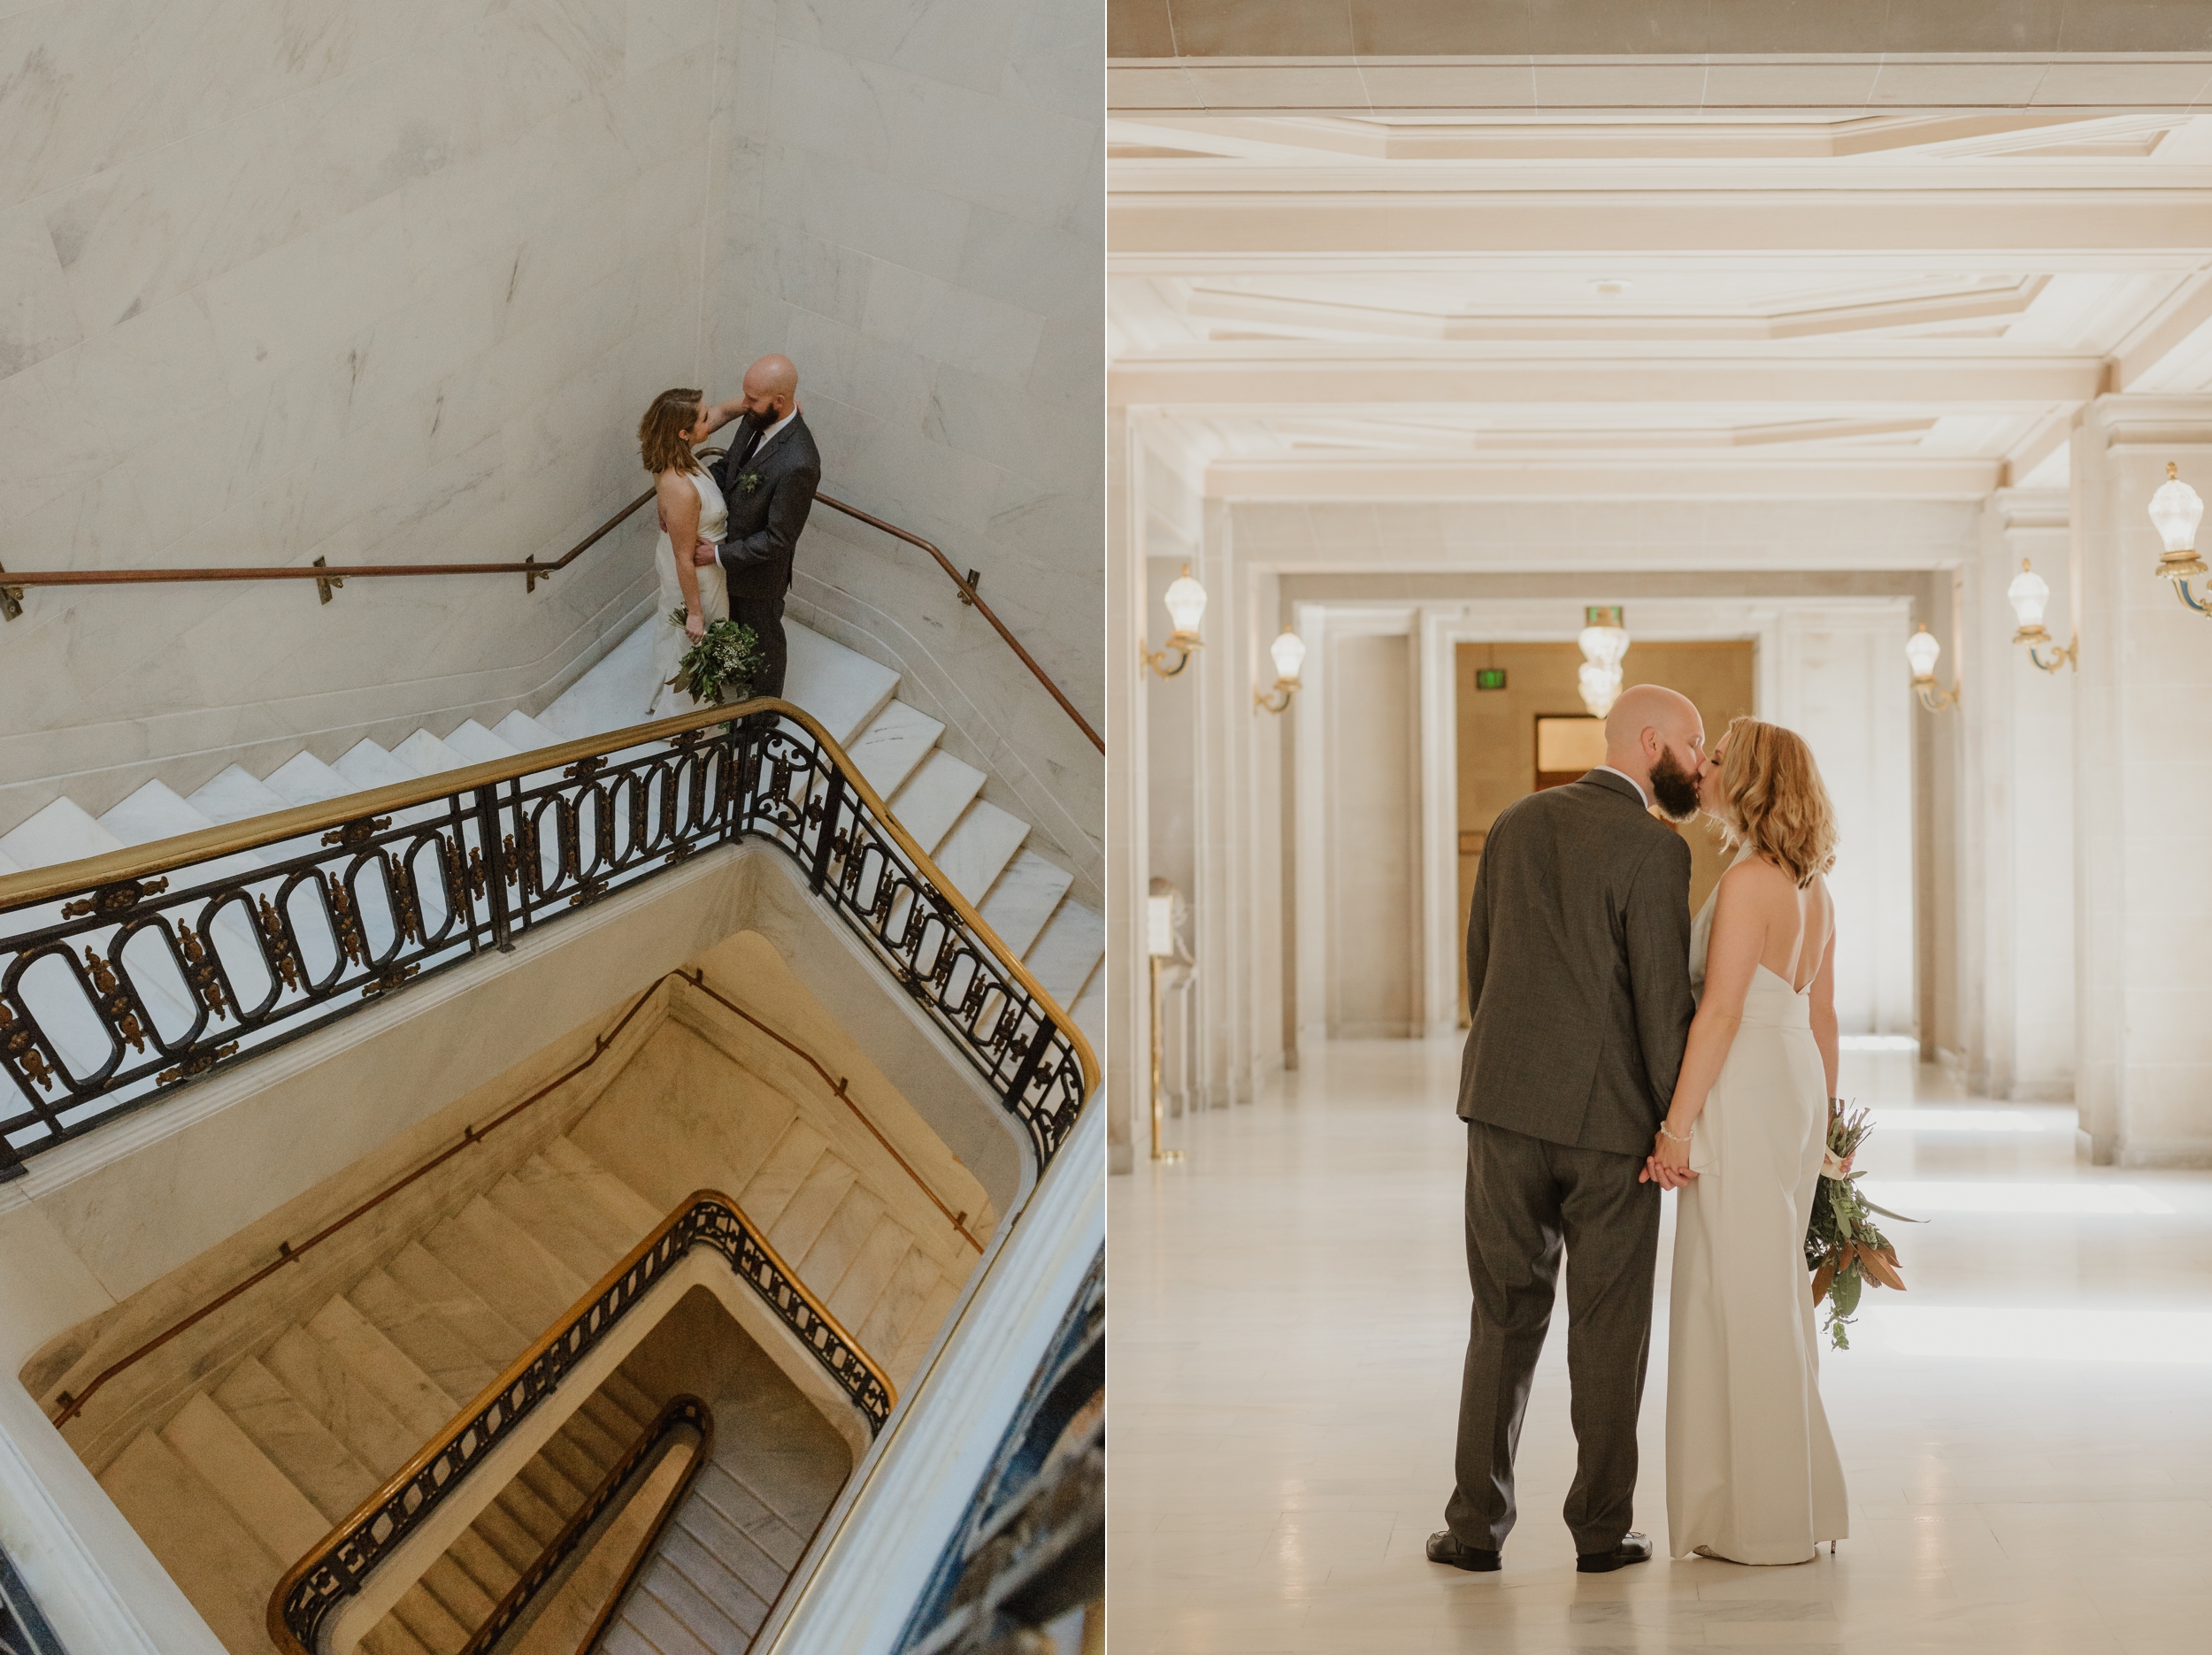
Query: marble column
[(1126, 1058), (2016, 895), (2143, 797)]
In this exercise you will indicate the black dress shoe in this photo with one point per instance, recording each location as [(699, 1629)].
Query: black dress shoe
[(1444, 1549), (1633, 1548)]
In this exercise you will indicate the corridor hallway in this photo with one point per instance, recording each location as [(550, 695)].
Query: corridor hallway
[(2029, 1458)]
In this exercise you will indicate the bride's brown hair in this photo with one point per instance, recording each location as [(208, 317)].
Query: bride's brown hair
[(1772, 799), (660, 435)]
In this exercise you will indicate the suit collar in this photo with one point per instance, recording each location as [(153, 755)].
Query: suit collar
[(1613, 782), (776, 433)]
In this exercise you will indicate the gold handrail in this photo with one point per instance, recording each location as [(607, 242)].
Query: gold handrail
[(14, 583), (465, 1420)]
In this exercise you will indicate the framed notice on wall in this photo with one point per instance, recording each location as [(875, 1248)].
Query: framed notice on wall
[(1567, 746)]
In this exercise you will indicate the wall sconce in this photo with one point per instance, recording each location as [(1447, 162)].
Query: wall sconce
[(1289, 651), (1186, 601), (1922, 649), (1604, 642), (2175, 511), (2029, 592)]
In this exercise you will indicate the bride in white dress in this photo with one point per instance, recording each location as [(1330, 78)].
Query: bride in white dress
[(691, 513), (1752, 1471)]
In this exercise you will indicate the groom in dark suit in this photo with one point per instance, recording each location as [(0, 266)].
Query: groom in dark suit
[(768, 479), (1577, 972)]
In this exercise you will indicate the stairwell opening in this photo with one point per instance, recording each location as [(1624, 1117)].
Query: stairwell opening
[(234, 1446)]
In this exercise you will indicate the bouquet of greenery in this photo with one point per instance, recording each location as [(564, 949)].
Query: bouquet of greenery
[(721, 665), (1844, 1248)]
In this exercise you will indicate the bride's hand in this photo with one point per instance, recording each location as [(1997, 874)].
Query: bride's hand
[(694, 625), (1671, 1158)]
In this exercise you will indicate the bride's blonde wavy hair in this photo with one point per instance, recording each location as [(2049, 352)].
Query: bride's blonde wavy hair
[(1772, 798)]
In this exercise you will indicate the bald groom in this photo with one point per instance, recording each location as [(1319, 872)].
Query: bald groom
[(1579, 981), (768, 479)]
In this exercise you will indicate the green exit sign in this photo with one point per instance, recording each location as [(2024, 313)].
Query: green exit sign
[(1489, 678)]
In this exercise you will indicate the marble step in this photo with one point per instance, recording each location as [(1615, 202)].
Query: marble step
[(438, 1347), (295, 1441), (1024, 898), (424, 1277), (331, 1391), (843, 689), (624, 1205), (476, 745), (429, 1621), (934, 796), (525, 733), (212, 1555), (425, 755), (234, 794), (366, 765), (897, 1310), (1067, 951), (601, 1237), (978, 847), (259, 1495), (385, 1371), (892, 745), (905, 1358), (457, 1592), (304, 779), (389, 1637), (63, 832), (535, 1208), (156, 812), (504, 1267), (617, 691)]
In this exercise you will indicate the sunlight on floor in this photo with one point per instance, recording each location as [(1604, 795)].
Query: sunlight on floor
[(2024, 1431)]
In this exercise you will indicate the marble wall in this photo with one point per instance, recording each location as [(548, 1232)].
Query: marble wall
[(287, 279), (291, 279), (914, 214)]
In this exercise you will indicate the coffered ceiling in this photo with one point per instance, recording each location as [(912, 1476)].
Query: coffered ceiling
[(1321, 303)]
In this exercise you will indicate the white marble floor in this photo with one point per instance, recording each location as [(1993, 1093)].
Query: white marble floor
[(2027, 1433)]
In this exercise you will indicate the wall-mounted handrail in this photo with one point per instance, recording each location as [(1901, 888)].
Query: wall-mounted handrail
[(126, 975), (293, 1253), (314, 1589), (681, 1413), (14, 582)]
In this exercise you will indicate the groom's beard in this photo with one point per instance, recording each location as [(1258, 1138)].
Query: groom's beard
[(1674, 788)]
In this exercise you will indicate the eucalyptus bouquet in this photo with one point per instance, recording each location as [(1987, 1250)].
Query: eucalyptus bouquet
[(1844, 1248), (721, 666)]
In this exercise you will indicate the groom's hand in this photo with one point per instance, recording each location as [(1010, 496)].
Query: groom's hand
[(704, 554)]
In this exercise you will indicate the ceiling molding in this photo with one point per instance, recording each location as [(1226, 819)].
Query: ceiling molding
[(1601, 477), (1229, 378)]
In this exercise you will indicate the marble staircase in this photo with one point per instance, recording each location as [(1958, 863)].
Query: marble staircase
[(268, 1451), (981, 848), (714, 1574)]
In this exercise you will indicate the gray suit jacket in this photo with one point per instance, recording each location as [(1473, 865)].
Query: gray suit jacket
[(765, 516), (1578, 968)]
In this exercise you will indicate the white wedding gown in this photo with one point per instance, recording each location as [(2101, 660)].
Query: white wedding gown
[(1752, 1471), (669, 642)]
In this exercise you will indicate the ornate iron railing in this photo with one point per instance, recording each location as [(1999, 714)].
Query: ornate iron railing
[(126, 976), (316, 1587), (685, 1412)]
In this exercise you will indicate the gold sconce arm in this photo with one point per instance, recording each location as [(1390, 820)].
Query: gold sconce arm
[(1181, 645), (2038, 640), (1934, 697), (1277, 699)]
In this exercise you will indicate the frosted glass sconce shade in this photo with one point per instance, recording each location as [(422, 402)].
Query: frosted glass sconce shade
[(1922, 650), (2031, 596)]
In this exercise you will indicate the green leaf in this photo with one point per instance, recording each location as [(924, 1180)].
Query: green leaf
[(1845, 1292)]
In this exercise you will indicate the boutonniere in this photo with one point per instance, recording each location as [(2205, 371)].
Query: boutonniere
[(749, 482)]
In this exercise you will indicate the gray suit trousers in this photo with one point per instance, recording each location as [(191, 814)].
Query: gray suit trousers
[(1525, 1197)]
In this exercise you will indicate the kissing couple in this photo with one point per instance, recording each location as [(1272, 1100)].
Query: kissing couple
[(1619, 1049)]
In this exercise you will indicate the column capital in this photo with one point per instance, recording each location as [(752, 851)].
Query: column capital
[(2018, 510), (2136, 420)]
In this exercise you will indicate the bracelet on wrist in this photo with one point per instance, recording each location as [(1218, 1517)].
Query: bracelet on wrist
[(1679, 1137)]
